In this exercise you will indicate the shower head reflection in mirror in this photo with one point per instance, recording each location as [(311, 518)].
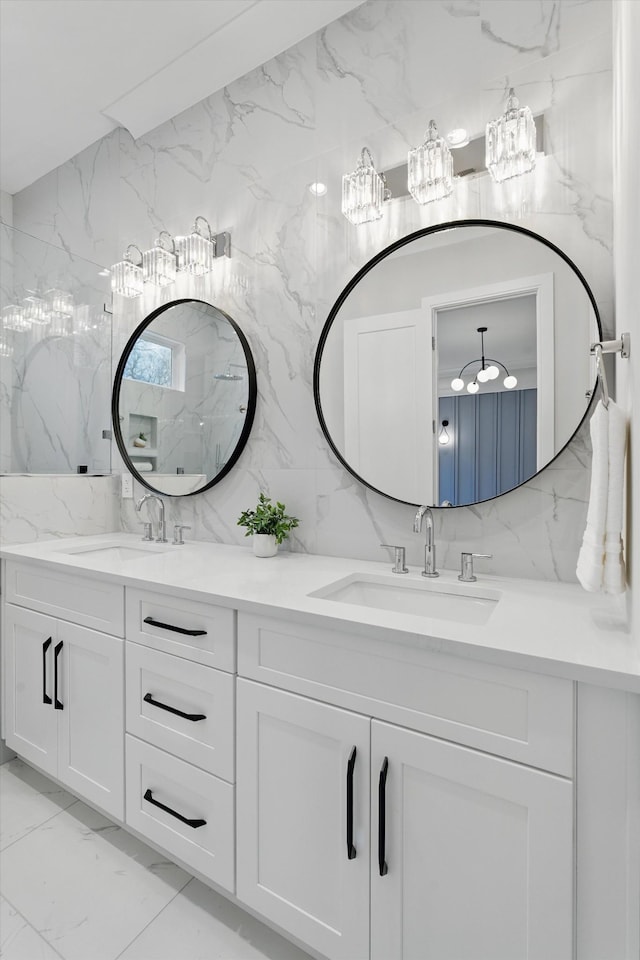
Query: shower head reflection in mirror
[(186, 380), (401, 345)]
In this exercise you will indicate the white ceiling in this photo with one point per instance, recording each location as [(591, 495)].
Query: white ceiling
[(72, 70)]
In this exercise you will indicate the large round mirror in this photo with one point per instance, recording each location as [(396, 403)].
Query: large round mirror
[(184, 398), (455, 365)]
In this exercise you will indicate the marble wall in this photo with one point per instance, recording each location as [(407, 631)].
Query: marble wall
[(244, 158), (55, 382)]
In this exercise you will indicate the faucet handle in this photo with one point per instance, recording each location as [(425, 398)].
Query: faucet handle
[(148, 529), (466, 565), (177, 533), (398, 558)]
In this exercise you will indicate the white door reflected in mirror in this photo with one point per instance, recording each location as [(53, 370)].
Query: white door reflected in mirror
[(480, 324)]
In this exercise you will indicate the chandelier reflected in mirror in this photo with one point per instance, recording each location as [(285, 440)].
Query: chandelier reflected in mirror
[(488, 370)]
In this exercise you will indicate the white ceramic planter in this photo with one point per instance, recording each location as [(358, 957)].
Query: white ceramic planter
[(264, 545)]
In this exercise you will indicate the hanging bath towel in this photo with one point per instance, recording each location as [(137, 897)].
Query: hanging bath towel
[(600, 563)]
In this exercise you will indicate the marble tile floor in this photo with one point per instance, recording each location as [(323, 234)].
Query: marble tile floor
[(75, 886)]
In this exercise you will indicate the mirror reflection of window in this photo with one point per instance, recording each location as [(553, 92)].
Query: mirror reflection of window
[(157, 360)]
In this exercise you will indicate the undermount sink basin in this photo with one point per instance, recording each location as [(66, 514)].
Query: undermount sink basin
[(458, 602), (116, 551)]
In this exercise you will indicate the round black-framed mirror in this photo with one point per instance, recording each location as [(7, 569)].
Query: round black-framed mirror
[(184, 398), (480, 324)]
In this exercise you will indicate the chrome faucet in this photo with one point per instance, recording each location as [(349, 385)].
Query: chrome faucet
[(430, 546), (162, 525)]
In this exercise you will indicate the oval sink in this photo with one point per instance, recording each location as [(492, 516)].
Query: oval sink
[(458, 602), (116, 551)]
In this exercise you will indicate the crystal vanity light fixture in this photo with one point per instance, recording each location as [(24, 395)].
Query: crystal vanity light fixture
[(443, 436), (36, 311), (6, 349), (159, 264), (13, 318), (511, 142), (430, 168), (196, 252), (126, 275), (364, 191), (60, 303), (489, 370)]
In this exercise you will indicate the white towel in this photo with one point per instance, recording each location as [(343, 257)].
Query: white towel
[(600, 564), (143, 466), (613, 576)]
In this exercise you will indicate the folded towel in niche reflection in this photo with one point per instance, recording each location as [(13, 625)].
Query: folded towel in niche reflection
[(600, 562), (144, 466)]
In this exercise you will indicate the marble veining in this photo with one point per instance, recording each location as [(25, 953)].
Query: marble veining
[(244, 158)]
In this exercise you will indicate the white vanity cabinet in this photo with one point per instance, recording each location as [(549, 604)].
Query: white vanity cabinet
[(64, 703), (180, 723), (459, 855)]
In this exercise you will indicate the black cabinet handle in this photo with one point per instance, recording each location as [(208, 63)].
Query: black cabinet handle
[(169, 626), (45, 696), (351, 850), (174, 813), (382, 816), (163, 706), (57, 705)]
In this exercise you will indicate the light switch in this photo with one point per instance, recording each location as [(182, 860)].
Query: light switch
[(127, 486)]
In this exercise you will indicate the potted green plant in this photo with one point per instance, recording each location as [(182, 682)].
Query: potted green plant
[(140, 440), (268, 524)]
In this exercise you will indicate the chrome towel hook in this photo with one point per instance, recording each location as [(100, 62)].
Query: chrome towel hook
[(621, 346)]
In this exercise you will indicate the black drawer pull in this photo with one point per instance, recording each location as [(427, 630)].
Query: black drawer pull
[(382, 816), (163, 706), (169, 626), (190, 823), (351, 850), (57, 705), (45, 696)]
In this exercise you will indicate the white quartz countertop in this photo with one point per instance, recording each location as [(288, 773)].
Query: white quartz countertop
[(552, 628)]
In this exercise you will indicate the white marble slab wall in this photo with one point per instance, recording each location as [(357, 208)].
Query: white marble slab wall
[(244, 159), (46, 507)]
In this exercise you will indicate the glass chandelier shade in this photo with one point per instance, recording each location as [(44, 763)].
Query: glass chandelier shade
[(13, 318), (6, 349), (511, 142), (430, 168), (126, 276), (489, 370), (363, 191), (159, 265), (443, 436), (195, 252)]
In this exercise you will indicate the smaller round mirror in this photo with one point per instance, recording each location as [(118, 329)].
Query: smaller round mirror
[(184, 398)]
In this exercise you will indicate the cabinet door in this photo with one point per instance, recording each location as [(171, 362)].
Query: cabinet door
[(30, 721), (91, 731), (298, 780), (478, 852)]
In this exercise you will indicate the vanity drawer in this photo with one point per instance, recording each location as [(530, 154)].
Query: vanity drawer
[(201, 632), (205, 736), (189, 793), (79, 599), (523, 716)]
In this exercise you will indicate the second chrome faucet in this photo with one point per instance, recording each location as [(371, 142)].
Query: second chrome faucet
[(430, 569)]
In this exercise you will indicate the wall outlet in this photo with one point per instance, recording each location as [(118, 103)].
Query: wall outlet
[(127, 486)]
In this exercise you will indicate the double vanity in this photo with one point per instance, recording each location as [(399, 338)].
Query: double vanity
[(377, 765)]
